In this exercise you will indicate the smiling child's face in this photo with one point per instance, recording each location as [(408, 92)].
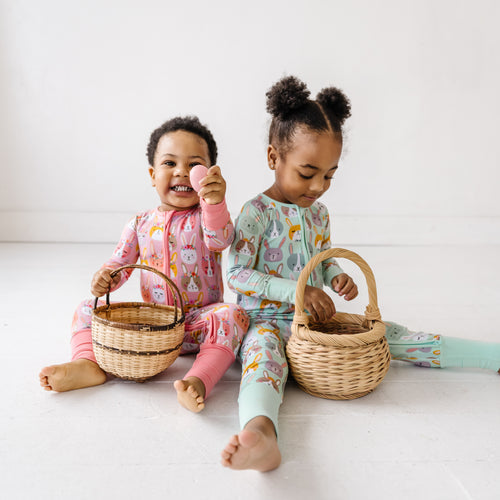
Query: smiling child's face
[(176, 154), (304, 174)]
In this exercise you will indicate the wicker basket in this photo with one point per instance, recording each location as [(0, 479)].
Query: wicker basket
[(346, 357), (137, 340)]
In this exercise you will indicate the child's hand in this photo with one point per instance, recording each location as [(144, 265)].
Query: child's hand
[(318, 303), (102, 282), (345, 286), (213, 186)]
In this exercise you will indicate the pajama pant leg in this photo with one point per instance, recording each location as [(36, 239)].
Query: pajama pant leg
[(81, 333), (421, 349), (429, 350), (216, 332), (264, 370)]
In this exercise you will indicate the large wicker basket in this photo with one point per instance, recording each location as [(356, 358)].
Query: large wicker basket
[(137, 340), (346, 357)]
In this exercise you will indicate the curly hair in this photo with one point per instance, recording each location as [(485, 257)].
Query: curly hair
[(289, 104), (189, 124)]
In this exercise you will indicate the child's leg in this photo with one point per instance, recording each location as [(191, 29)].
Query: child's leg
[(429, 350), (83, 370), (219, 328), (265, 371)]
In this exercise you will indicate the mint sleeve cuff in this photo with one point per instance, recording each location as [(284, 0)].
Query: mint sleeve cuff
[(330, 272), (281, 289)]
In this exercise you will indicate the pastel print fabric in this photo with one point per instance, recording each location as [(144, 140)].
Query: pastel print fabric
[(186, 246), (272, 244)]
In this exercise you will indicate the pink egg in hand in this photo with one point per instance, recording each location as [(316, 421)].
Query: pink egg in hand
[(196, 174)]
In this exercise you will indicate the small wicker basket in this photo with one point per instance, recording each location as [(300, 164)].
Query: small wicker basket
[(137, 340), (346, 357)]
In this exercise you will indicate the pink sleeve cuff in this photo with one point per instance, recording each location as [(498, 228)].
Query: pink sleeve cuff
[(214, 216)]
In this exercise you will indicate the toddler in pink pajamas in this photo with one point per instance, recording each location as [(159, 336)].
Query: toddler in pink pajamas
[(183, 238)]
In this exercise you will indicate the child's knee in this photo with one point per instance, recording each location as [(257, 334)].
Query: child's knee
[(82, 318), (234, 320), (240, 318)]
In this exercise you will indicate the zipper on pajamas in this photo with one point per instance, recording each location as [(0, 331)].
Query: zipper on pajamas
[(169, 299)]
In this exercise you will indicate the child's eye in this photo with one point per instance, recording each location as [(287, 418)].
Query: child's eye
[(169, 163), (305, 176), (328, 178), (191, 165)]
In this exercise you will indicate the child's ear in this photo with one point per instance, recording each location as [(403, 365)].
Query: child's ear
[(272, 156), (152, 175)]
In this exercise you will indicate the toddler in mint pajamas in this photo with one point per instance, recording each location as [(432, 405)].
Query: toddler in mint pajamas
[(273, 243)]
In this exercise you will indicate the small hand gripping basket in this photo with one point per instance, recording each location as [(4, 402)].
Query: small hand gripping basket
[(346, 357), (137, 340)]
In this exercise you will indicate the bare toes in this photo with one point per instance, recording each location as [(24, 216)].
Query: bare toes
[(180, 385), (189, 396), (229, 450), (234, 440), (193, 393)]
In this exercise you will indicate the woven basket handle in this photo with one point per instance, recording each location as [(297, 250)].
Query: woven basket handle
[(172, 286), (372, 312)]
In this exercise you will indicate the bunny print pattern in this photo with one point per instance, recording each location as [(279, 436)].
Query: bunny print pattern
[(186, 246), (179, 244), (272, 245)]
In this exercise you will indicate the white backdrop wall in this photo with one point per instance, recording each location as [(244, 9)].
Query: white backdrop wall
[(84, 83)]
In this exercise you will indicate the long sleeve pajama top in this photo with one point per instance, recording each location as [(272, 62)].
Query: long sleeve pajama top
[(273, 242), (185, 245)]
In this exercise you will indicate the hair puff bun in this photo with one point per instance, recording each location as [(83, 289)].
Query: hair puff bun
[(335, 102), (286, 96)]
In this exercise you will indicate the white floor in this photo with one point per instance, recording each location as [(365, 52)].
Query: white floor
[(423, 433)]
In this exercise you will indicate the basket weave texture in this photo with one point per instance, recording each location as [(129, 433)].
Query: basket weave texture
[(346, 357), (137, 340)]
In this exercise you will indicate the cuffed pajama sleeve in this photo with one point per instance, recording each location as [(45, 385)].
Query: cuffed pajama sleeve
[(218, 229), (242, 276), (330, 267)]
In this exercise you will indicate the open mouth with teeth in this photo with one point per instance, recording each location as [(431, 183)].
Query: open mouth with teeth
[(182, 189)]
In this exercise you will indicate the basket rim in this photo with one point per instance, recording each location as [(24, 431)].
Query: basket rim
[(139, 327), (374, 334)]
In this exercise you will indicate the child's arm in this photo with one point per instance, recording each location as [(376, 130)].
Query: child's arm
[(218, 229), (242, 275), (243, 279), (333, 274), (126, 252), (330, 267)]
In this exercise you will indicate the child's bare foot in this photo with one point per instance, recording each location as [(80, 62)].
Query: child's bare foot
[(191, 393), (73, 375), (255, 447)]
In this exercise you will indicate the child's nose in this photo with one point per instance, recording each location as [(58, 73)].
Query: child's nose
[(317, 185), (182, 169)]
